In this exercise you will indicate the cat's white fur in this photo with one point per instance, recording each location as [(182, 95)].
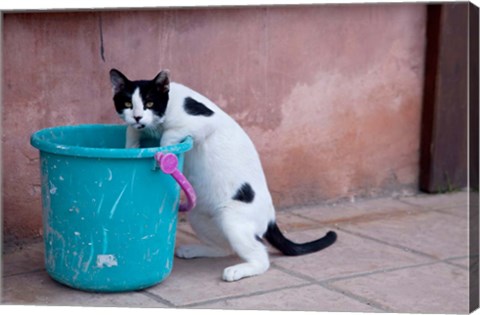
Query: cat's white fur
[(222, 159)]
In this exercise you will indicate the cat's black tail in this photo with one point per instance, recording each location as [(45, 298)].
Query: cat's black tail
[(275, 237)]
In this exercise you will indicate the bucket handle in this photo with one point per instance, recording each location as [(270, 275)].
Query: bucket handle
[(168, 163)]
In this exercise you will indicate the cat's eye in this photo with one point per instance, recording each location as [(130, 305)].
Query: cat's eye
[(149, 104), (128, 104)]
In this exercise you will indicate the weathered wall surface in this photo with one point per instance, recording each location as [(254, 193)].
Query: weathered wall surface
[(331, 95)]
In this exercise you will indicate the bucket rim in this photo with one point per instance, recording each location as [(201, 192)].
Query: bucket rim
[(38, 141)]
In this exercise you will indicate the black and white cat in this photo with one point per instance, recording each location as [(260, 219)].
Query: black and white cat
[(234, 209)]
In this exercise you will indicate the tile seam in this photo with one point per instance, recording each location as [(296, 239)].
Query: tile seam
[(378, 271), (357, 298), (24, 273), (333, 225), (156, 298), (235, 297), (398, 246), (404, 248), (325, 285), (393, 269), (427, 208)]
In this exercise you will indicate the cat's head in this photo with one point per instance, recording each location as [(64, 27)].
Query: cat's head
[(141, 104)]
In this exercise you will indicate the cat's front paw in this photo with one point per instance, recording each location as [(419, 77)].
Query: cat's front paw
[(244, 270), (234, 273)]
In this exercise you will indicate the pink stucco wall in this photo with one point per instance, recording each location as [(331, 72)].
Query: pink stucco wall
[(331, 95)]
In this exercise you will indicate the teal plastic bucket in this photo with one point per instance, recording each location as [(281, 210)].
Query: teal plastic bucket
[(109, 213)]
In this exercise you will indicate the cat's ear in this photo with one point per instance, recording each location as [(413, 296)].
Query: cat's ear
[(162, 81), (118, 80)]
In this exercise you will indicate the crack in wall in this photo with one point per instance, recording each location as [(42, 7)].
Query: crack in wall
[(102, 47)]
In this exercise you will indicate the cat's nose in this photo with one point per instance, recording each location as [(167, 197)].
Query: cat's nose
[(137, 118)]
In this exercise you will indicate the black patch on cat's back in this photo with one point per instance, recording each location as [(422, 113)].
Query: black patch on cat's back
[(195, 108), (245, 194)]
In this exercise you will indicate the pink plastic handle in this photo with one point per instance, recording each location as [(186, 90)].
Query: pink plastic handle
[(168, 163)]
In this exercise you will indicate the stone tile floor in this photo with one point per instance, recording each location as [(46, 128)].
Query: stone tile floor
[(405, 254)]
